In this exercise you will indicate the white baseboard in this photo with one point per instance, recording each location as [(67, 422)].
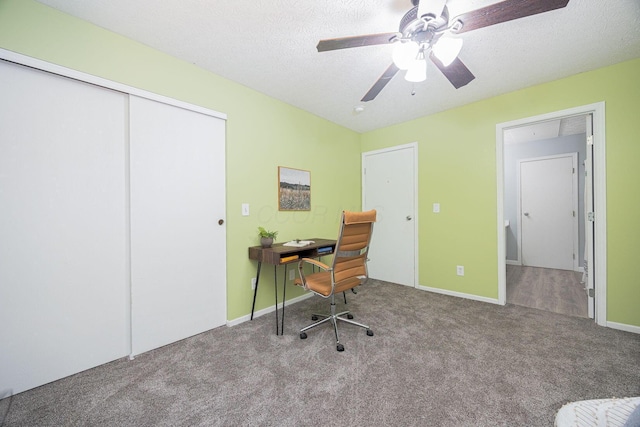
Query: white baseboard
[(623, 327), (267, 310), (613, 325), (516, 262), (458, 294), (271, 309)]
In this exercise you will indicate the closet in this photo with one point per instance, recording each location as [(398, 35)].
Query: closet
[(112, 232)]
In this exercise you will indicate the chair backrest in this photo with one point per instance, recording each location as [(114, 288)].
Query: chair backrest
[(352, 247)]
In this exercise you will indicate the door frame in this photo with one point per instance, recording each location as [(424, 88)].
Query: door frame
[(589, 229), (413, 146), (574, 204), (52, 68), (599, 194)]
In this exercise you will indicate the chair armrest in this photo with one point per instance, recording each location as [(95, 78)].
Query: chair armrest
[(315, 262)]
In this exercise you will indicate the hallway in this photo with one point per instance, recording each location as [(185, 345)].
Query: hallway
[(558, 291)]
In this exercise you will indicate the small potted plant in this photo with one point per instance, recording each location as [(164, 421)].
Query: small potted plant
[(266, 237)]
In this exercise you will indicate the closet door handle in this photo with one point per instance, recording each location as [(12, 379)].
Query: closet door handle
[(220, 221)]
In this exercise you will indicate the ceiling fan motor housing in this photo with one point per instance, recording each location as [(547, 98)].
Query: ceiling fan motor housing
[(422, 31)]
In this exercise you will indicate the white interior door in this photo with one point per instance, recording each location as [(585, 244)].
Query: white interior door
[(63, 294), (178, 262), (389, 181), (589, 221), (548, 211)]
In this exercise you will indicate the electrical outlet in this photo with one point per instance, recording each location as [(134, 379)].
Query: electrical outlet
[(253, 283), (460, 270), (436, 208), (292, 274)]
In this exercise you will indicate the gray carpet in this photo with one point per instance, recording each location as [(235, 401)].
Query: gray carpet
[(435, 360), (560, 291)]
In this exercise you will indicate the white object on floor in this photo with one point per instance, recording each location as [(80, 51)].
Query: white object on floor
[(623, 412)]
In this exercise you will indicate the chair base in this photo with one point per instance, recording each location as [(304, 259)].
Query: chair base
[(333, 318)]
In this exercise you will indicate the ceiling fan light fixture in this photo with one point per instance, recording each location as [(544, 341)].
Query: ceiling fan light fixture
[(447, 49), (404, 53), (417, 72)]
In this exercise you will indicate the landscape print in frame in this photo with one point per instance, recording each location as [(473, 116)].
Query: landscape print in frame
[(294, 189)]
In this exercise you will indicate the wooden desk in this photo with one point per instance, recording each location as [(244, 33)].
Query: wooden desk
[(278, 254)]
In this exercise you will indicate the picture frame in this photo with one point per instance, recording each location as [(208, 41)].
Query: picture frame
[(294, 189)]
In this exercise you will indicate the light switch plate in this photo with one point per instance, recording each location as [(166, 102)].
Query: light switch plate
[(436, 208), (245, 209)]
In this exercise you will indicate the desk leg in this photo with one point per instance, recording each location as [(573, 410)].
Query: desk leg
[(284, 298), (275, 286), (255, 290)]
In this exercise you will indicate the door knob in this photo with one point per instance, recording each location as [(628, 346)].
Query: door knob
[(220, 221), (408, 217)]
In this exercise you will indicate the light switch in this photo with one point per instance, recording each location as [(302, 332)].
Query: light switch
[(245, 209), (436, 208)]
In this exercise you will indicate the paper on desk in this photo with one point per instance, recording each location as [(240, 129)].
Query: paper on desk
[(299, 243)]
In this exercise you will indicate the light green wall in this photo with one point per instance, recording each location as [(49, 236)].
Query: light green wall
[(456, 164), (262, 134), (457, 168)]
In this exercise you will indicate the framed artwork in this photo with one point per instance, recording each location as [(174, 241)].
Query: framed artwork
[(294, 189)]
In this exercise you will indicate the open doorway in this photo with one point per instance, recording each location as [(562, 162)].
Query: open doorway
[(545, 145), (544, 181)]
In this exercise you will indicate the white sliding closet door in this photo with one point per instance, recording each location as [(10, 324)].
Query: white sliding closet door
[(63, 289), (178, 276)]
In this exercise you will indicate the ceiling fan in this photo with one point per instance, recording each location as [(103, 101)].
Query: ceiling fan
[(426, 31)]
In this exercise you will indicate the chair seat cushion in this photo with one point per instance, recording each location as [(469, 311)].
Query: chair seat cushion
[(320, 283)]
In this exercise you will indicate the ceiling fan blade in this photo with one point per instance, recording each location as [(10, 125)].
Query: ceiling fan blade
[(505, 11), (381, 83), (431, 7), (355, 41), (456, 72)]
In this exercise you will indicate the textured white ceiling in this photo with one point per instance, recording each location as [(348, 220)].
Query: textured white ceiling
[(270, 46), (550, 129)]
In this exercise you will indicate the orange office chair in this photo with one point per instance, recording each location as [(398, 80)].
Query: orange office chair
[(348, 269)]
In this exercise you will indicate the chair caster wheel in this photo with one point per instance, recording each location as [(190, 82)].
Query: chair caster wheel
[(349, 316), (369, 332), (303, 335), (314, 317), (340, 347)]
